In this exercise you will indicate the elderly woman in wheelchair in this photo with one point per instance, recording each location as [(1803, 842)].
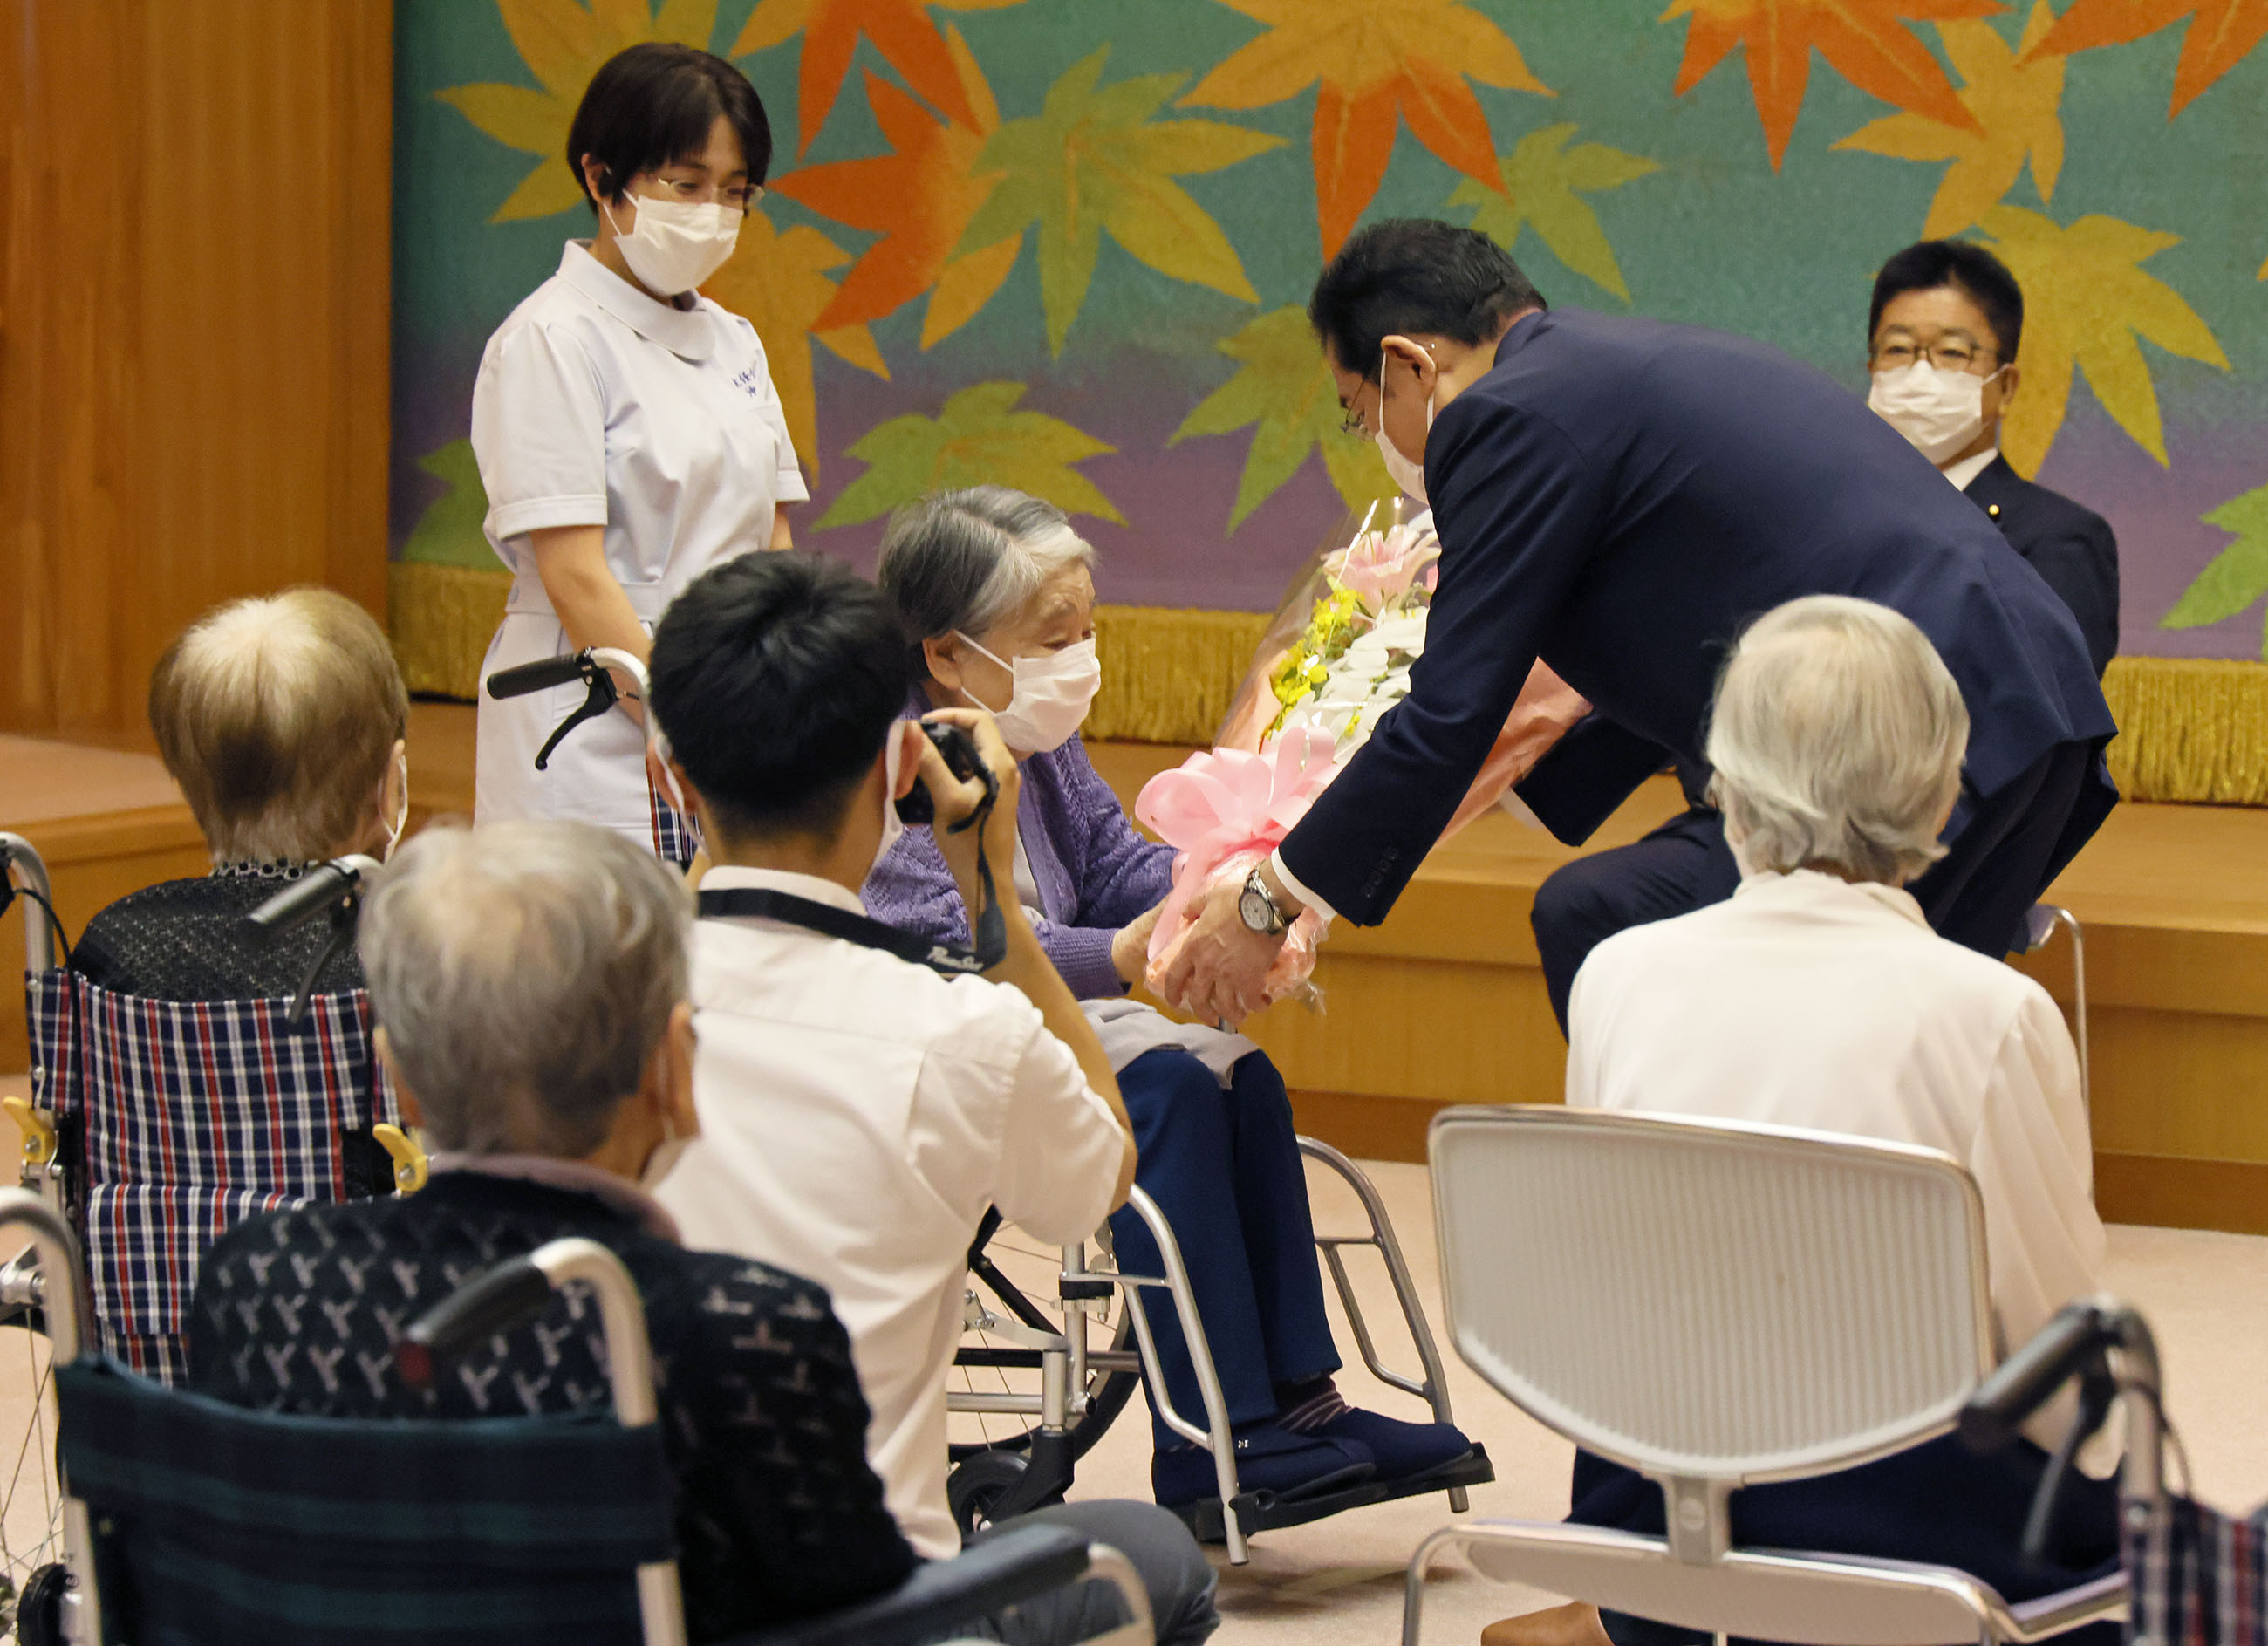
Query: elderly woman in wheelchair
[(531, 978), (187, 1071), (995, 593)]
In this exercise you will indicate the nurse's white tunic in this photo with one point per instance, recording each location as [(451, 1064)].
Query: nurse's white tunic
[(597, 406)]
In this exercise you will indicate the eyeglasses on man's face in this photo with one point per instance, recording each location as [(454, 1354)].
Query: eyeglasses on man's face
[(1947, 354)]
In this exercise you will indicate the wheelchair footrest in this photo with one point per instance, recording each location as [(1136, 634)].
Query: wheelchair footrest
[(1264, 1511)]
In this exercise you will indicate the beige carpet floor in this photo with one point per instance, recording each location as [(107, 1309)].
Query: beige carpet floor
[(1338, 1582)]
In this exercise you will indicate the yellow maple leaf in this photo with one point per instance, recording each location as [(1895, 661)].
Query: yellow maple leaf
[(778, 282), (2086, 302), (2014, 97), (563, 44), (1543, 184)]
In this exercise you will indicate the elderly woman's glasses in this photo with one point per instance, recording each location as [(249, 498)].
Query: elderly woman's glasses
[(1947, 354)]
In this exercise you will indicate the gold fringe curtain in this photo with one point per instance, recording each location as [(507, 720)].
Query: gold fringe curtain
[(2190, 729), (442, 618)]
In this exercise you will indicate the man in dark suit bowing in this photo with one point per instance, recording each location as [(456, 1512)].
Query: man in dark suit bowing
[(1620, 497), (1942, 335)]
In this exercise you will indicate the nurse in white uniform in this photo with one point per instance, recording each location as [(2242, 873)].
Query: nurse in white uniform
[(627, 428)]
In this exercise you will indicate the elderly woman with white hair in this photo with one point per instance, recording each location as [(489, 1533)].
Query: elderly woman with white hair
[(530, 981), (996, 595), (1818, 997)]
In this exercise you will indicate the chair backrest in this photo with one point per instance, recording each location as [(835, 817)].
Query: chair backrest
[(214, 1522), (185, 1118), (1705, 1300)]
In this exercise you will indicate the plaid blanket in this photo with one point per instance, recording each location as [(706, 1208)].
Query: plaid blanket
[(2204, 1584), (180, 1120)]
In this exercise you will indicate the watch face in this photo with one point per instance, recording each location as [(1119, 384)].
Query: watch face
[(1259, 912)]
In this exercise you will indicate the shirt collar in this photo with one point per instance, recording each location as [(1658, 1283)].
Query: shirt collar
[(618, 1194), (817, 889), (1811, 886), (685, 333), (1968, 468)]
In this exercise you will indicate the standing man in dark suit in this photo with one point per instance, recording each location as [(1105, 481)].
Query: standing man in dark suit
[(1945, 312), (1942, 342), (1620, 497)]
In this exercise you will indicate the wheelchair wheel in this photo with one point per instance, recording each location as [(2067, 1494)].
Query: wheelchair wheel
[(977, 1485), (39, 1608), (31, 1504), (1016, 1278)]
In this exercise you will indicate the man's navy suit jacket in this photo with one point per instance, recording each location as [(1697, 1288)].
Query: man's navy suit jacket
[(1621, 497), (2069, 545)]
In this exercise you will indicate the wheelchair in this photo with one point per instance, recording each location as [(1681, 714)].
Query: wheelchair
[(1037, 1389), (187, 1519), (1055, 1343), (277, 1087)]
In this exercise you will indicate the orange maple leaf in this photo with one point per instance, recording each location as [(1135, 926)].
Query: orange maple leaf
[(2220, 33), (1864, 41), (901, 30), (1375, 59), (919, 197)]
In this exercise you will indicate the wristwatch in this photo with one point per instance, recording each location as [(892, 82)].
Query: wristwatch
[(1256, 906)]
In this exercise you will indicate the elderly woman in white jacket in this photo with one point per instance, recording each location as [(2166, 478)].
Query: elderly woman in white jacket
[(1818, 997)]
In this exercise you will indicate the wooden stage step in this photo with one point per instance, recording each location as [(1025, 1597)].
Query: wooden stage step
[(1443, 1003)]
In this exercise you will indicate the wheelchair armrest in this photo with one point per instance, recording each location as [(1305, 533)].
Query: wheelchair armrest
[(999, 1572)]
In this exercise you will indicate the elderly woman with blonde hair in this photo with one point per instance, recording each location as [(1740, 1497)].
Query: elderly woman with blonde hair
[(283, 718), (1818, 997)]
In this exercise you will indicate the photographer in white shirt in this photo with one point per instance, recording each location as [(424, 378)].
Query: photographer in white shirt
[(860, 1112)]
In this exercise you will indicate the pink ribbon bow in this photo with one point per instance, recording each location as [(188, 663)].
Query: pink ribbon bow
[(1225, 802)]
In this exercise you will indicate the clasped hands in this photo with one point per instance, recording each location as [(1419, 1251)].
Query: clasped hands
[(1220, 973)]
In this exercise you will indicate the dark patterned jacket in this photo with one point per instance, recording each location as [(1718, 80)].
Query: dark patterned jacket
[(780, 1516)]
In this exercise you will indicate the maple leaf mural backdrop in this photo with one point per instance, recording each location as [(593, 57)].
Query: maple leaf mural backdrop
[(1067, 244)]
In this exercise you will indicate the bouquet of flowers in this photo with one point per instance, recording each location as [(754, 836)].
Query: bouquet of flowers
[(1338, 657)]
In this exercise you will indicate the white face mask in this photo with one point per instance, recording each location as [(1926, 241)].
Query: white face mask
[(664, 1159), (1938, 412), (1053, 692), (401, 817), (1408, 475), (673, 246), (894, 759)]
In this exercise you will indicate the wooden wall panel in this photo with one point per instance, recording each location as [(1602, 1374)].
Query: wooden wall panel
[(194, 211)]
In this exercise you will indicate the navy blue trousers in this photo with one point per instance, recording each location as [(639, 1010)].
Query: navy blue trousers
[(2001, 853), (1936, 1504), (1224, 1168)]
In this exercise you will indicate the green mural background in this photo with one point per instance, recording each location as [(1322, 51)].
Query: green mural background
[(1064, 243)]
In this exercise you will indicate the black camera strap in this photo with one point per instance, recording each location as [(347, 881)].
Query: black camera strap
[(762, 903)]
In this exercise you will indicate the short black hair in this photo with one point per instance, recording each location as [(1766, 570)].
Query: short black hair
[(776, 678), (1412, 276), (653, 105), (1970, 270)]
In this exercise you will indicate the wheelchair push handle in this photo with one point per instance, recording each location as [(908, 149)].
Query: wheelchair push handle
[(2035, 1374), (317, 891), (588, 665), (513, 1292)]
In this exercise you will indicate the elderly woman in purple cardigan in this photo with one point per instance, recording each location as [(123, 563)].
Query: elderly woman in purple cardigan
[(997, 596)]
